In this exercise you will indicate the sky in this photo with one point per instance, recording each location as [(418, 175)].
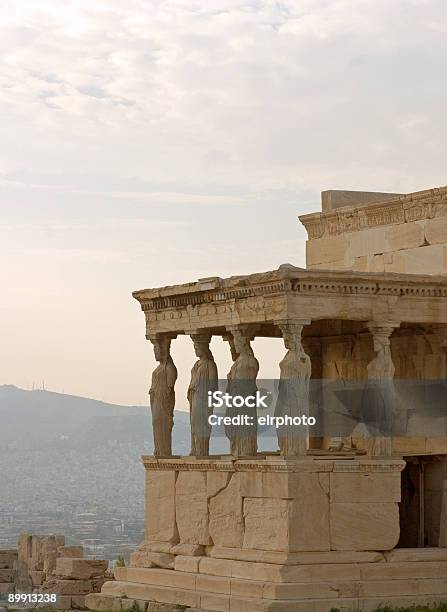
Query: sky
[(152, 142)]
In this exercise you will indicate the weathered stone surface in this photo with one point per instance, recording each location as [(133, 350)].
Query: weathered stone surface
[(151, 592), (337, 198), (78, 602), (192, 508), (216, 482), (160, 506), (405, 236), (190, 550), (147, 558), (403, 570), (24, 547), (80, 569), (8, 556), (71, 551), (7, 575), (326, 250), (427, 260), (99, 601), (225, 515), (156, 576), (267, 523), (367, 243), (309, 530), (64, 602), (355, 526), (67, 587), (186, 564), (416, 555), (98, 582), (365, 488), (296, 558), (6, 587), (161, 547), (302, 591), (37, 578), (436, 230)]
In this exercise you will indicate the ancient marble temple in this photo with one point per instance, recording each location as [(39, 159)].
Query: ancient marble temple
[(326, 521)]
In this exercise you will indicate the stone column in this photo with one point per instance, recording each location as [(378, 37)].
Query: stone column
[(203, 379), (380, 407), (162, 395), (242, 382), (293, 392)]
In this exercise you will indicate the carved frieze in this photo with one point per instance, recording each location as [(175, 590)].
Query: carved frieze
[(412, 207)]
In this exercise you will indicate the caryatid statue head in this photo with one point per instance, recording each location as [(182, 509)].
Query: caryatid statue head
[(162, 345), (202, 346), (291, 333), (241, 342), (381, 343)]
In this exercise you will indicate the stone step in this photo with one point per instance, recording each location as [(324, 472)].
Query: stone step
[(416, 554), (239, 587), (99, 602), (405, 569), (224, 603), (268, 572), (218, 585), (311, 573), (295, 558), (150, 592), (157, 576), (381, 572)]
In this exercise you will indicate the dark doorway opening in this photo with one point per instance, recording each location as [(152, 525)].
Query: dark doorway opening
[(421, 501)]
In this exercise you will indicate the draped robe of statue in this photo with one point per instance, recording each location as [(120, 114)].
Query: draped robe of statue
[(242, 381), (293, 397), (203, 380), (162, 398), (380, 400)]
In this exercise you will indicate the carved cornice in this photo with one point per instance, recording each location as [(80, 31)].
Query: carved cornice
[(417, 206), (298, 281), (324, 464)]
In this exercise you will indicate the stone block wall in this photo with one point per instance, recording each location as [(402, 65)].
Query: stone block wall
[(8, 571), (407, 235), (268, 505), (44, 564)]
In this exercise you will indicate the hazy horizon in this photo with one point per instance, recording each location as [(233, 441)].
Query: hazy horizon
[(155, 142)]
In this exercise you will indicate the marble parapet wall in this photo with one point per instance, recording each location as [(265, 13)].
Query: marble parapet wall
[(406, 233)]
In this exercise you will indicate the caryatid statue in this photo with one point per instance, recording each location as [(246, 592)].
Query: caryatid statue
[(242, 382), (380, 405), (162, 396), (203, 380), (293, 392)]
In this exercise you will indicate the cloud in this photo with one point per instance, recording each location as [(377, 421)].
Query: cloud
[(151, 142), (261, 92)]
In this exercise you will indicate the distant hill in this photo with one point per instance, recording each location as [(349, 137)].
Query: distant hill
[(38, 419), (62, 456)]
